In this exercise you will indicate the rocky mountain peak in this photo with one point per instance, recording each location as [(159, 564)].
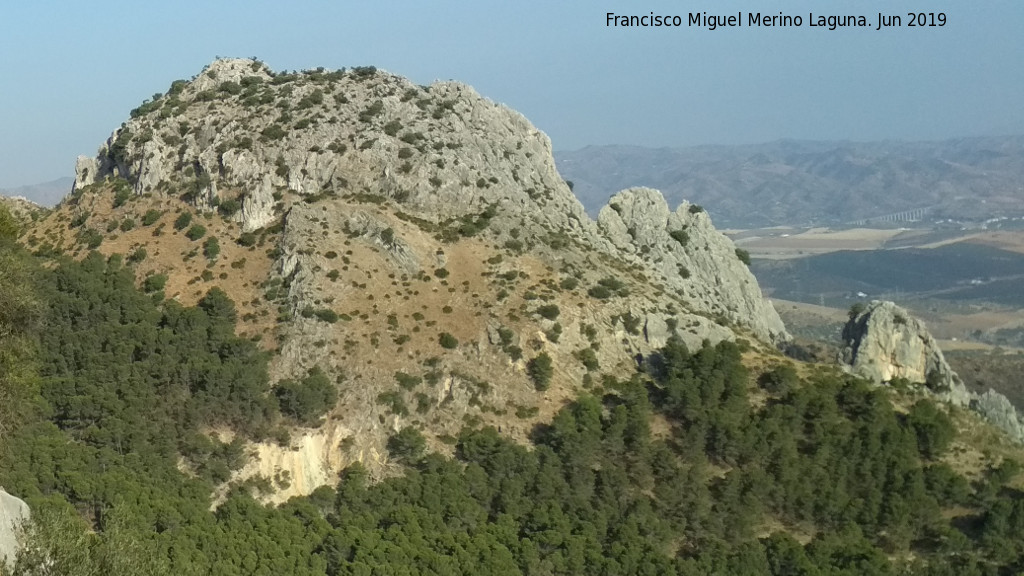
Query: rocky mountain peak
[(236, 70), (414, 244), (239, 133), (251, 142)]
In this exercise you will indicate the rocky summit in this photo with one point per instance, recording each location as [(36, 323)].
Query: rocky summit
[(415, 244)]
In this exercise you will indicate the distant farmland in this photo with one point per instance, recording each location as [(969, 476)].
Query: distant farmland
[(962, 271)]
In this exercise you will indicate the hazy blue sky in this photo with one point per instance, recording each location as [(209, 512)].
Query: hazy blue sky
[(71, 71)]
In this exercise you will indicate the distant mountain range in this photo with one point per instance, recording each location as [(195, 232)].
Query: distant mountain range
[(814, 183), (45, 194)]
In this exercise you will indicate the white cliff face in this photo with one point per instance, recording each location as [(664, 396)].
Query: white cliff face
[(87, 171), (13, 512), (884, 342), (311, 459)]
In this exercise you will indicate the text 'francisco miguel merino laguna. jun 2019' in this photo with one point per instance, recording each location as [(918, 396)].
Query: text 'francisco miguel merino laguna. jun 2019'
[(708, 21)]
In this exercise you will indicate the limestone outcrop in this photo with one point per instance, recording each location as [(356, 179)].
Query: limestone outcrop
[(691, 257), (13, 512), (236, 131), (883, 342)]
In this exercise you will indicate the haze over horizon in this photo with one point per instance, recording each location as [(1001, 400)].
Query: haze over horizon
[(72, 73)]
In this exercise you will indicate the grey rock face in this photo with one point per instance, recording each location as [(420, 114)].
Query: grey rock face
[(693, 259), (213, 145), (997, 409), (13, 512), (883, 342)]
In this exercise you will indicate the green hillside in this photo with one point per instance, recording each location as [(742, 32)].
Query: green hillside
[(687, 468)]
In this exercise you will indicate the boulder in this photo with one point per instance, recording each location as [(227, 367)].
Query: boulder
[(13, 512), (883, 342)]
